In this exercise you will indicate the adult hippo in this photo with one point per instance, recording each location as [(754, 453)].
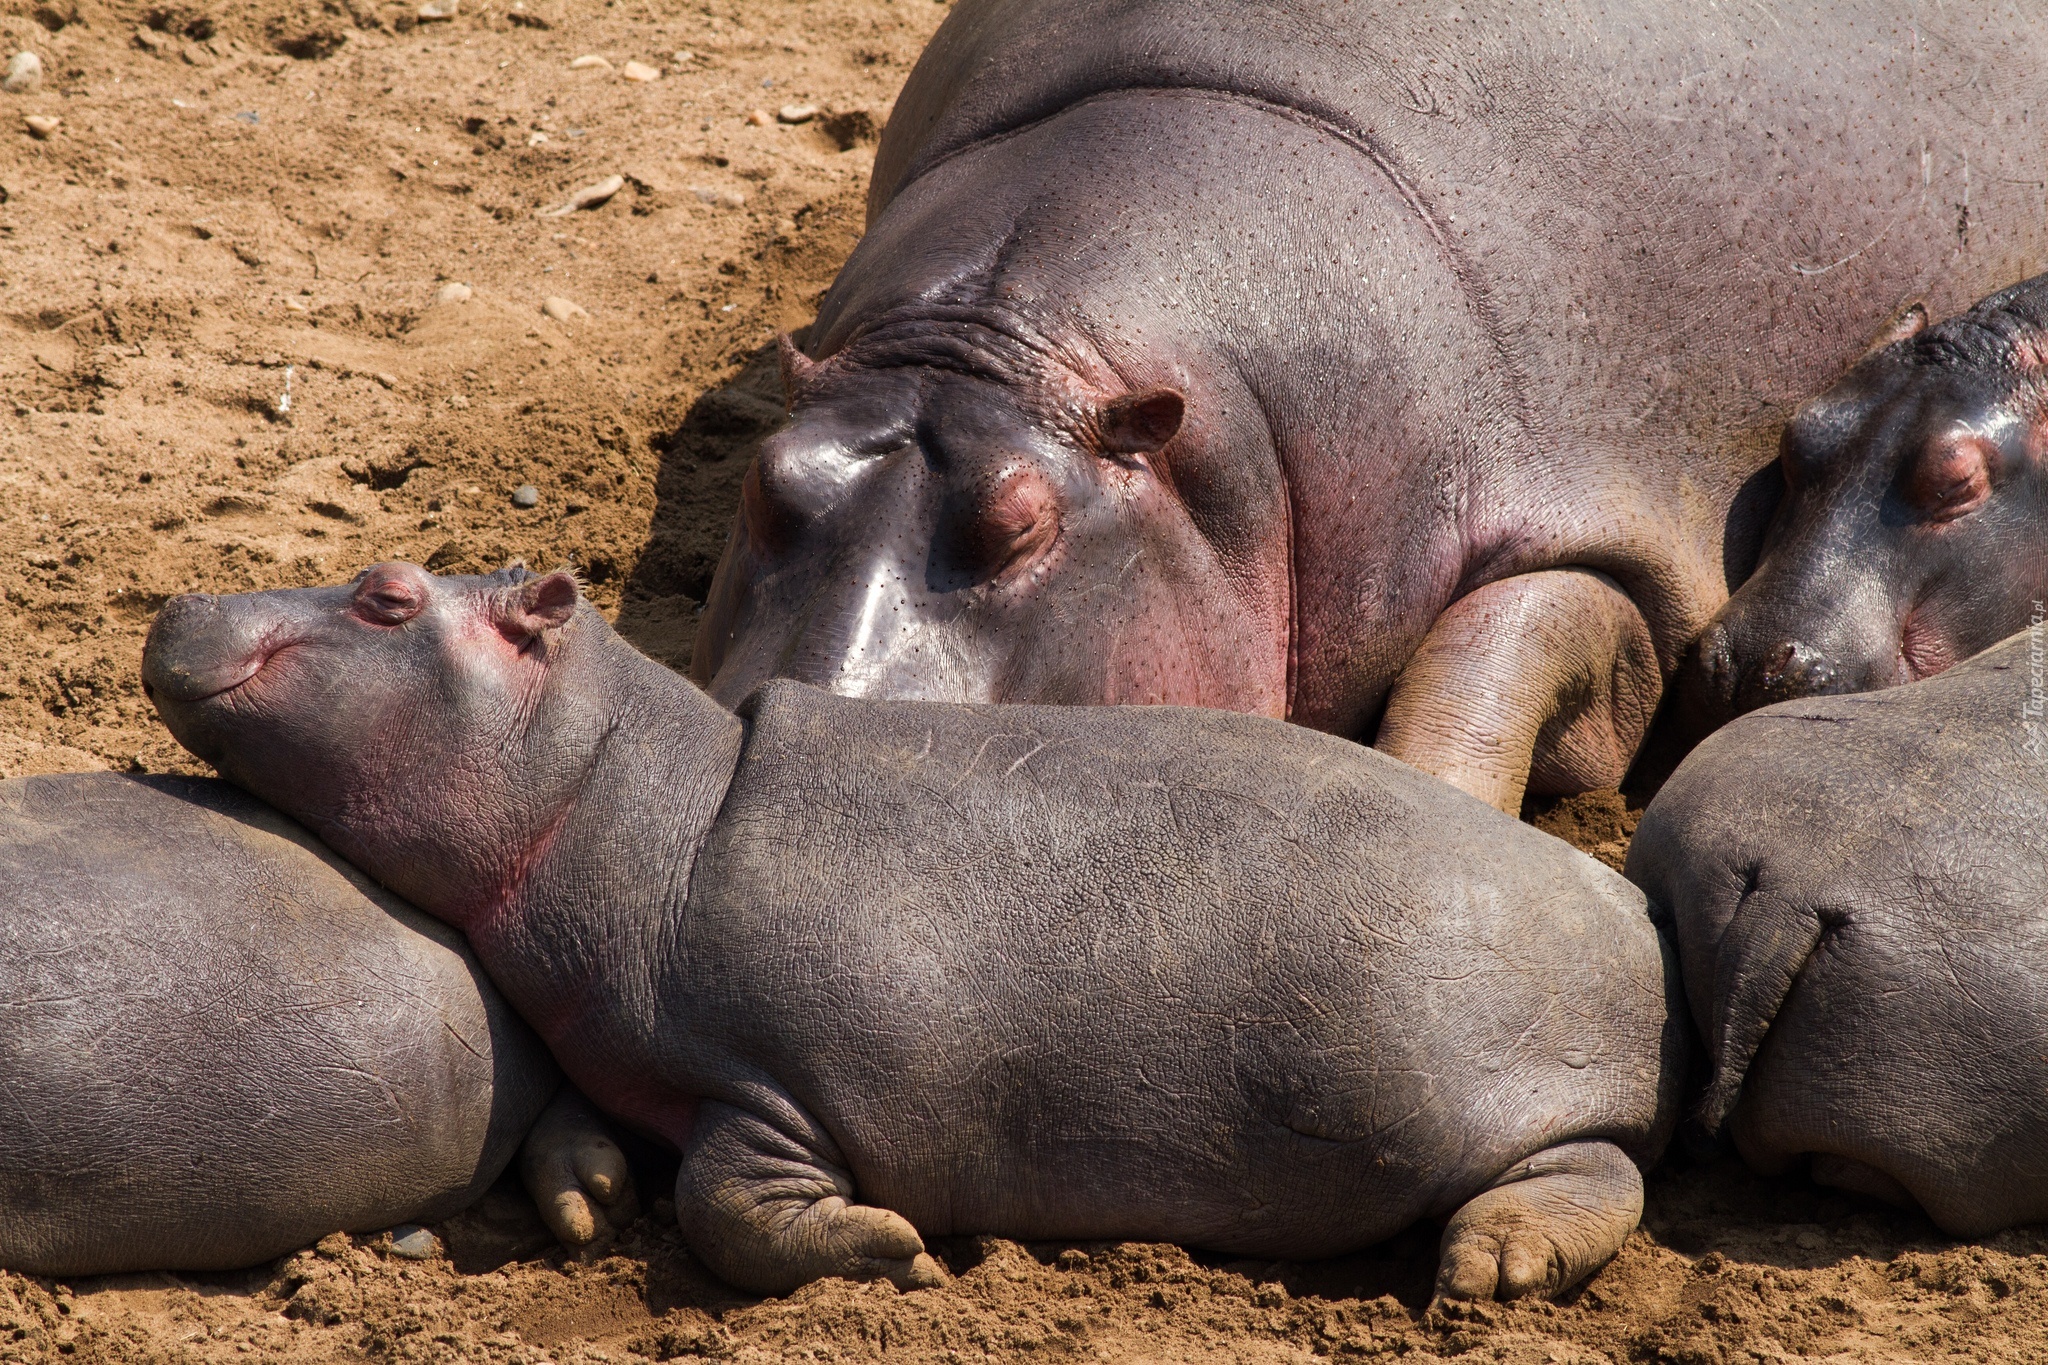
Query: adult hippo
[(1858, 889), (884, 970), (221, 1043), (1915, 527), (1393, 368)]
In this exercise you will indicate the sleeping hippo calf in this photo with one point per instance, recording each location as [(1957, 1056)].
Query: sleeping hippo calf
[(221, 1043), (885, 970), (1914, 531), (1860, 886)]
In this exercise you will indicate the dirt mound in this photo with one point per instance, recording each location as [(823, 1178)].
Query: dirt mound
[(340, 203)]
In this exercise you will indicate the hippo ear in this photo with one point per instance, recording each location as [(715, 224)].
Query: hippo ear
[(798, 369), (1142, 423), (1909, 322), (539, 605)]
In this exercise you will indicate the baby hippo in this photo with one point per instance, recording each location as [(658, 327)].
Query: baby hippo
[(1860, 886), (1914, 530), (888, 970), (220, 1043)]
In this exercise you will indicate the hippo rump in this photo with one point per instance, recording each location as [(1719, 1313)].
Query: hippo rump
[(1860, 889), (1914, 531), (1042, 972), (1389, 368), (222, 1043)]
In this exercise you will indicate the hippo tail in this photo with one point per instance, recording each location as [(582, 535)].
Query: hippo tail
[(1766, 945)]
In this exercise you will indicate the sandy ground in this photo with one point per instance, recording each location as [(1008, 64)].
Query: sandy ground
[(330, 199)]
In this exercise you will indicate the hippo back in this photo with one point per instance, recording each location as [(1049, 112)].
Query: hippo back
[(221, 1043), (1801, 177), (1881, 858)]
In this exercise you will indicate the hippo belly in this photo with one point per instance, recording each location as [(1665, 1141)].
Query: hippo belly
[(1857, 886), (220, 1043)]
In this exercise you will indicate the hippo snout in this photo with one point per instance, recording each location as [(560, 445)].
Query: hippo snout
[(1786, 670), (199, 647)]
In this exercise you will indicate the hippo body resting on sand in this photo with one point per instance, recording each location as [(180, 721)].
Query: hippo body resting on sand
[(1914, 532), (1860, 889), (222, 1043), (1390, 368), (1030, 971)]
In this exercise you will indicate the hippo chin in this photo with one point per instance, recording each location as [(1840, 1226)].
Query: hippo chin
[(1857, 885), (221, 1043), (887, 970), (1392, 371), (1914, 530)]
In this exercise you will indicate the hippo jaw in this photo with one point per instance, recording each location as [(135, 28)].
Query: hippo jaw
[(382, 715)]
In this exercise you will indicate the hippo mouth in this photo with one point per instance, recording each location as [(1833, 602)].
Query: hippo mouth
[(197, 653)]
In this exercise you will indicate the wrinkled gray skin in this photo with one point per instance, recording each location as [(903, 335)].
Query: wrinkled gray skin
[(882, 971), (1858, 890), (1391, 367), (1914, 532), (220, 1043)]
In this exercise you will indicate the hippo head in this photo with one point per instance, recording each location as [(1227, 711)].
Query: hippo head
[(924, 526), (1914, 527), (405, 718)]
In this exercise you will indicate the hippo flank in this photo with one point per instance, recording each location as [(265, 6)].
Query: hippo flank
[(1857, 884), (1915, 528), (1390, 368), (222, 1043), (1039, 972)]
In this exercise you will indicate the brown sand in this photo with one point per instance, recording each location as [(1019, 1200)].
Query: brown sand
[(242, 187)]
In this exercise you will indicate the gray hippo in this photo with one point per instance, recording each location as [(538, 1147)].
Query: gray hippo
[(221, 1043), (1391, 367), (1860, 890), (887, 970), (1914, 531)]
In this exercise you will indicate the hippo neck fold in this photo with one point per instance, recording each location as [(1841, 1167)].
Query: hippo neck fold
[(573, 934)]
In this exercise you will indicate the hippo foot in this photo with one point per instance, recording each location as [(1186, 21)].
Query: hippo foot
[(767, 1214), (1544, 1225), (577, 1175), (1543, 682)]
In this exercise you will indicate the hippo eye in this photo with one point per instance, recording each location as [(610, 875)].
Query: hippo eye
[(388, 602), (1952, 478)]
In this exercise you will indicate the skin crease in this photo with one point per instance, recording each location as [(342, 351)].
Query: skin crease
[(1855, 885), (1456, 304), (888, 969), (1915, 529), (222, 1043)]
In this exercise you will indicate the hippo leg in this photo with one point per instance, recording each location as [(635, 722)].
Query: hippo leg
[(767, 1214), (576, 1173), (1547, 1223), (1542, 682)]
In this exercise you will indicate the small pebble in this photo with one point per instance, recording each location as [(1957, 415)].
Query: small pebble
[(732, 199), (640, 71), (526, 495), (589, 197), (414, 1243), (24, 74), (436, 10), (42, 125), (561, 309), (456, 400), (453, 292), (797, 113), (682, 58), (760, 118), (538, 139), (590, 63), (389, 381)]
